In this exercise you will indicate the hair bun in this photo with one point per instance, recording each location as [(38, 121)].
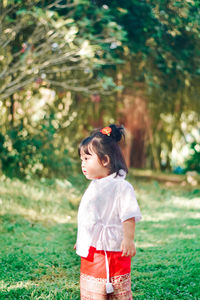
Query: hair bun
[(117, 132)]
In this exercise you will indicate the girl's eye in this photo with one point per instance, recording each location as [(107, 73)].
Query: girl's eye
[(84, 158), (87, 157)]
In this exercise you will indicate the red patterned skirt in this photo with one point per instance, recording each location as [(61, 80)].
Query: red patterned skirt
[(93, 276)]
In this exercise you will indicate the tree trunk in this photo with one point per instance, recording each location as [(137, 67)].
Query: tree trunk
[(137, 153), (135, 117)]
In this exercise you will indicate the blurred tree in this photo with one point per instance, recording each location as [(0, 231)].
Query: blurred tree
[(63, 65), (162, 64), (48, 62), (38, 45)]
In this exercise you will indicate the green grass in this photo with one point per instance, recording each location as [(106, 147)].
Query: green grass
[(38, 231)]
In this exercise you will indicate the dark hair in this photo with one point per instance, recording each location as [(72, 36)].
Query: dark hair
[(104, 144)]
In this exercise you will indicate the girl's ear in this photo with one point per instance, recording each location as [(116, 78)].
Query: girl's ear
[(106, 161)]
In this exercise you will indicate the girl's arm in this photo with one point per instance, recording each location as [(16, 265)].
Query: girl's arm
[(128, 245)]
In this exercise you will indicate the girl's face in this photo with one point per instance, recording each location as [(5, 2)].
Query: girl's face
[(92, 167)]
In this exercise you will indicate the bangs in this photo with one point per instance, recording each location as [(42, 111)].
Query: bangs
[(85, 147)]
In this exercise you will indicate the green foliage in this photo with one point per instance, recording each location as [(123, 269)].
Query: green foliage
[(50, 44), (193, 162), (48, 61), (25, 155)]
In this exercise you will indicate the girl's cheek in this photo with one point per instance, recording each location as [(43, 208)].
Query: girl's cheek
[(84, 163)]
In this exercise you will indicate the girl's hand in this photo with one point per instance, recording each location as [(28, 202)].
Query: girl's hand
[(128, 247), (74, 246)]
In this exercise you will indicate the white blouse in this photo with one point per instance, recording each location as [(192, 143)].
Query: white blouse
[(106, 203)]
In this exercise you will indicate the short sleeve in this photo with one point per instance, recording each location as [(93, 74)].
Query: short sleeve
[(127, 204)]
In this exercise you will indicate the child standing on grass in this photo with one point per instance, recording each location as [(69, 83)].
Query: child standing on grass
[(106, 219)]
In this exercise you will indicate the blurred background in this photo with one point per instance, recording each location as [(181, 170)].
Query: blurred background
[(69, 66)]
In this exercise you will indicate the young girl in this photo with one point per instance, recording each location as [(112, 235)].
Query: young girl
[(106, 219)]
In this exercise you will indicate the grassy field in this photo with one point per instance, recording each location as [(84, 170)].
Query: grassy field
[(38, 231)]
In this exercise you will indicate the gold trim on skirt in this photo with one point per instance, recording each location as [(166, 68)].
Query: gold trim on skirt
[(92, 288)]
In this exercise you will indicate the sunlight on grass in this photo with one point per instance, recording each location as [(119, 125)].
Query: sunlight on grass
[(144, 245), (160, 217), (33, 215), (188, 203), (39, 202), (193, 226), (18, 285), (183, 236), (194, 215)]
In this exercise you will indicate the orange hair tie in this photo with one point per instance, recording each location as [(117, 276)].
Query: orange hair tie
[(106, 130)]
